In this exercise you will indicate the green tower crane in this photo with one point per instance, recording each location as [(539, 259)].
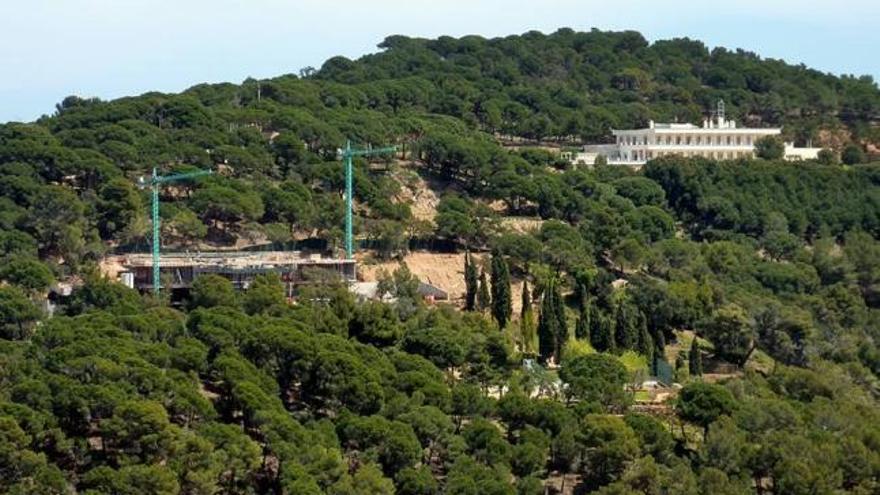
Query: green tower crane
[(347, 154), (155, 181)]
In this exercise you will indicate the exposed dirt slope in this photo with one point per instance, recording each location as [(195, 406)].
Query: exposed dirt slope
[(421, 195), (442, 270)]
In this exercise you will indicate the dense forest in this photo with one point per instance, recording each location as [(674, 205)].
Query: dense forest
[(754, 285)]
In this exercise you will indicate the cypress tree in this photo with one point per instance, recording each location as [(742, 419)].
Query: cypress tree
[(483, 299), (681, 368), (646, 343), (655, 364), (547, 325), (582, 281), (595, 315), (582, 327), (471, 282), (625, 331), (528, 331), (561, 322), (660, 344), (695, 359), (526, 299), (601, 330), (501, 300)]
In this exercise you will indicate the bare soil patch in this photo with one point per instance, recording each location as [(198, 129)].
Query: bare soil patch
[(442, 270)]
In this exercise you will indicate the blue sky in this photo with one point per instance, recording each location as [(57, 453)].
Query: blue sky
[(110, 48)]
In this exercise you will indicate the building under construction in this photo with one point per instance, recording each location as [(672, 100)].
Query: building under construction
[(179, 270)]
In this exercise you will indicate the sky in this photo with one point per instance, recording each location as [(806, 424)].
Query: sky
[(50, 49)]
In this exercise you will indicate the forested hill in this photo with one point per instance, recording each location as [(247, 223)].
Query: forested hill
[(749, 288), (576, 85), (439, 100)]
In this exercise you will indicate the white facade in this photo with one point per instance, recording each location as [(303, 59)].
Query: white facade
[(718, 139)]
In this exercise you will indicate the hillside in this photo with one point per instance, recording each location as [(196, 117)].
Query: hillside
[(576, 85), (695, 327)]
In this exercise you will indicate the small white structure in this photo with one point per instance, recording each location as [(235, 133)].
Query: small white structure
[(718, 138)]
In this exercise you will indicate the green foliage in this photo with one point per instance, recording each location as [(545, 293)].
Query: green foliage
[(221, 204), (654, 438), (484, 300), (211, 290), (608, 445), (769, 148), (552, 324), (392, 443), (641, 191), (376, 324), (703, 403), (416, 481), (461, 219), (120, 206), (501, 296), (732, 333), (626, 327), (628, 254), (582, 326), (828, 157), (266, 293), (852, 155), (17, 313), (27, 273), (716, 196), (440, 345), (602, 330), (597, 378), (471, 280), (695, 359), (185, 227)]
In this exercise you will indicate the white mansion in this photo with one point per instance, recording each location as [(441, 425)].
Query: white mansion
[(718, 138)]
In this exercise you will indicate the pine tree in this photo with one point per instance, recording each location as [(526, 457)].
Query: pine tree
[(471, 282), (501, 299), (526, 299), (483, 299), (695, 359), (547, 325)]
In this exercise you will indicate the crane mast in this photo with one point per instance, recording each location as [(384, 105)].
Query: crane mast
[(155, 182), (347, 154)]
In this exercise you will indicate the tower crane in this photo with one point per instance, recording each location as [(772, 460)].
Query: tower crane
[(155, 181), (347, 154)]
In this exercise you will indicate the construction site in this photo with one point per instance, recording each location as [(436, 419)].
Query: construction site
[(177, 271)]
